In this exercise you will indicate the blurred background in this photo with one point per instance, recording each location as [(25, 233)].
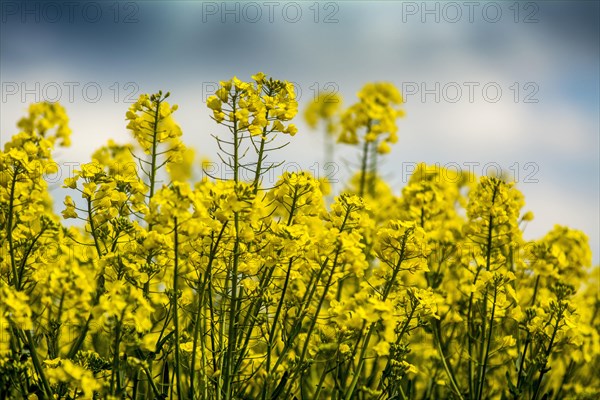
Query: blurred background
[(488, 85)]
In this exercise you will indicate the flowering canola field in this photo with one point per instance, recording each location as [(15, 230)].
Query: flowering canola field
[(235, 289)]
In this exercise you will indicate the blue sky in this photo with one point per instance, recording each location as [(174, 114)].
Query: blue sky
[(487, 84)]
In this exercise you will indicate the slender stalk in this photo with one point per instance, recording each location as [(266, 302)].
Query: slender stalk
[(305, 304), (175, 315), (319, 306), (273, 331), (136, 382), (256, 303), (325, 290), (471, 339), (151, 381), (93, 228), (363, 169), (489, 345), (26, 257), (259, 162), (527, 341), (261, 155), (236, 141), (37, 365), (232, 326), (84, 330), (320, 384), (372, 169), (9, 229), (565, 379), (398, 342), (201, 295), (154, 147), (543, 369), (114, 378), (200, 290), (232, 330), (364, 163), (361, 361), (488, 259), (386, 292), (449, 373)]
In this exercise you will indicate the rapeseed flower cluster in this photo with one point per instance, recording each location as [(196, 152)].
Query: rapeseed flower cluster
[(231, 289)]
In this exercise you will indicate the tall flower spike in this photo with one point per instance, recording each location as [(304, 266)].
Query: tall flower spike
[(376, 114), (255, 110), (258, 107), (152, 124)]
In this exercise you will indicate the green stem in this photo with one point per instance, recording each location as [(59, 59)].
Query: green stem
[(93, 228), (259, 164), (471, 339), (305, 304), (175, 315), (361, 362), (84, 330), (543, 369), (488, 248), (363, 169), (449, 373), (26, 257), (527, 342), (565, 379), (261, 151), (37, 365), (373, 169), (201, 295), (320, 384), (256, 303), (325, 290), (386, 292), (232, 331), (236, 142), (319, 306), (115, 367), (151, 381), (9, 230), (274, 327), (489, 345), (404, 330), (200, 290), (154, 147)]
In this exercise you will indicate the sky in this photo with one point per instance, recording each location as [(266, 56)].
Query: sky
[(488, 85)]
